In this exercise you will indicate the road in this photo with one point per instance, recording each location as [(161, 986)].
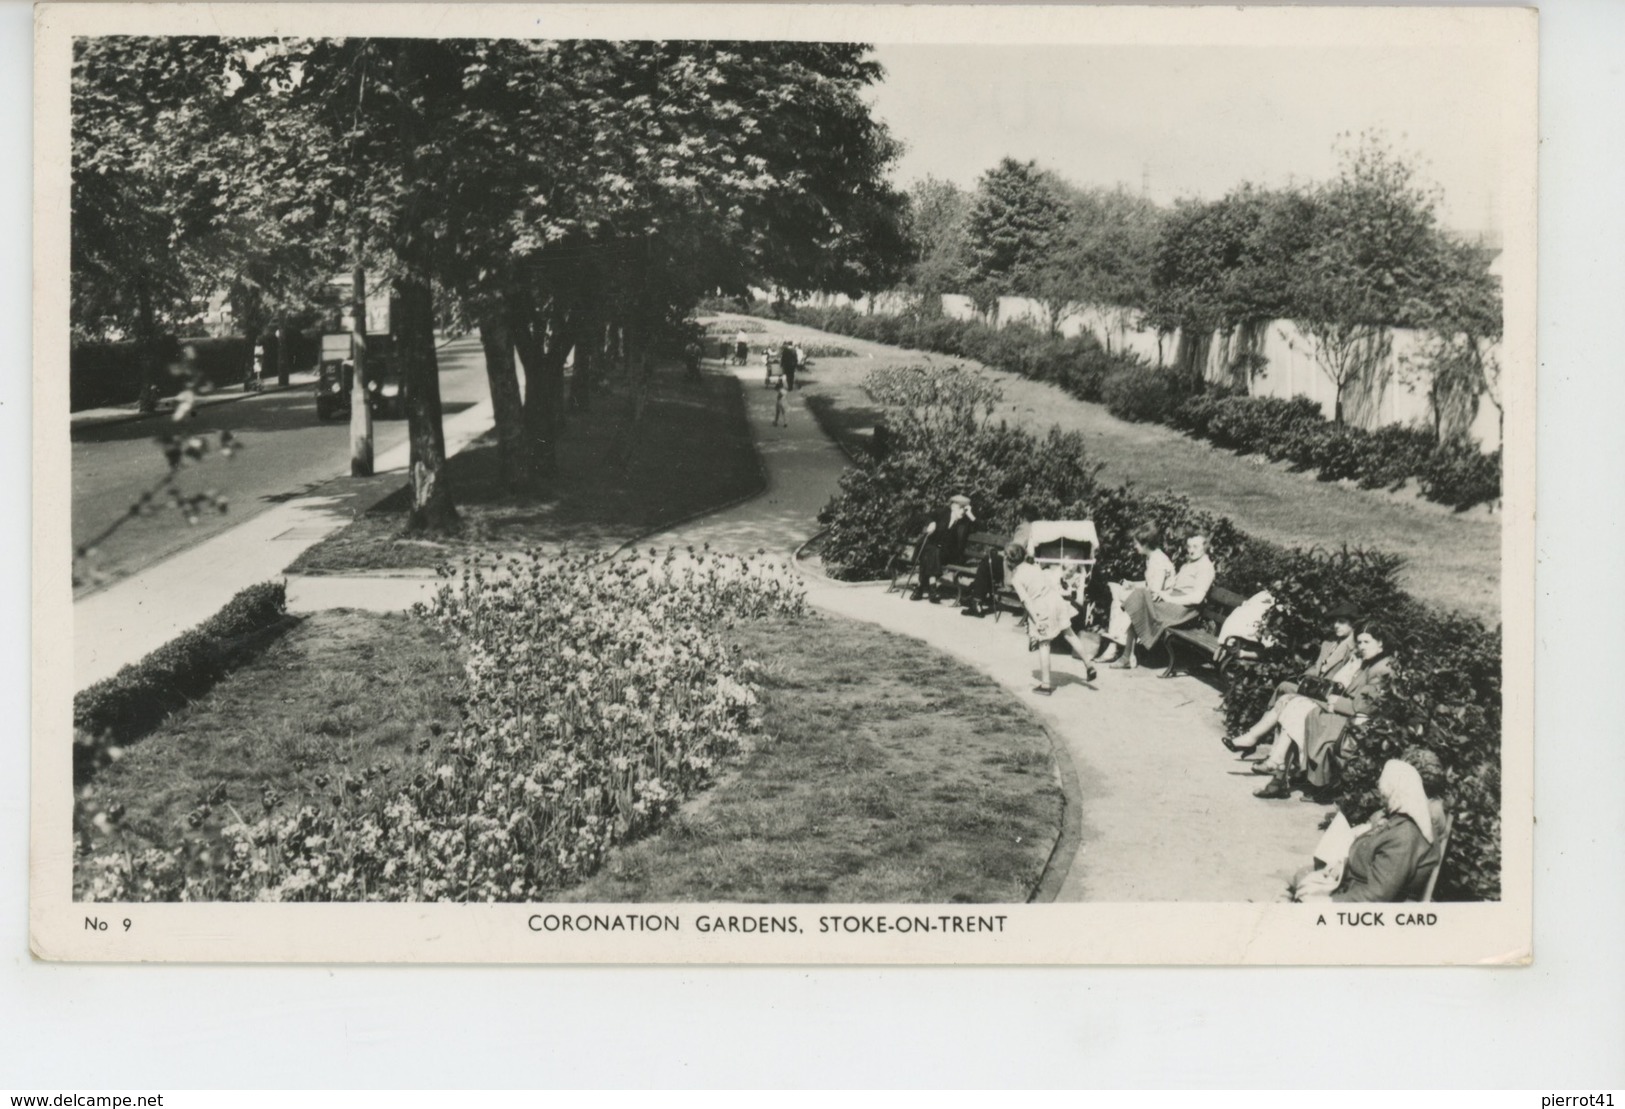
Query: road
[(287, 450)]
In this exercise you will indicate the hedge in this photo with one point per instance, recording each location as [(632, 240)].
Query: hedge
[(1454, 473), (940, 438), (106, 374), (132, 702)]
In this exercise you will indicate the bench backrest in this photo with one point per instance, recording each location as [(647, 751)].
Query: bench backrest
[(1218, 605), (1436, 855)]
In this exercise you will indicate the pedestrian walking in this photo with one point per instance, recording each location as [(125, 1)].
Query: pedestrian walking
[(788, 364), (781, 418), (741, 347)]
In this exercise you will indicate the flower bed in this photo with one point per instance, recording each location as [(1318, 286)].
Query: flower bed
[(1454, 473), (939, 439), (597, 696)]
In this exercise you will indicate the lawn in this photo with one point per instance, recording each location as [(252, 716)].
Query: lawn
[(618, 478), (340, 693), (1453, 560), (887, 772)]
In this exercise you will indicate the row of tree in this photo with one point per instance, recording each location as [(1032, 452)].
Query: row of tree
[(1347, 259), (562, 196)]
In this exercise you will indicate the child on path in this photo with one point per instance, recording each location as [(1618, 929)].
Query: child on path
[(780, 417)]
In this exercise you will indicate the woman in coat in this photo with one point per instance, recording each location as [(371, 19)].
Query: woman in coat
[(1393, 855), (1049, 613), (1316, 727), (1335, 662)]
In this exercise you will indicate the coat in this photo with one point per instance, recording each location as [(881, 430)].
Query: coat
[(1333, 654), (1383, 864), (1323, 730)]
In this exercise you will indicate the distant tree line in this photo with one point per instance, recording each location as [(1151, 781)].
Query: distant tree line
[(1348, 260)]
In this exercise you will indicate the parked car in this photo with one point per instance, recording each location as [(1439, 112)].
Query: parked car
[(336, 377)]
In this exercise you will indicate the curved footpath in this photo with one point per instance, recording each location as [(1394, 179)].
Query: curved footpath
[(1168, 814)]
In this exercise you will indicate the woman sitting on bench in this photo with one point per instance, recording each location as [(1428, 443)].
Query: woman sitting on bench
[(1151, 613), (1159, 575), (1315, 725), (1388, 859), (1049, 613)]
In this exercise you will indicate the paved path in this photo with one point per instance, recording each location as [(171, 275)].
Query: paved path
[(1168, 814)]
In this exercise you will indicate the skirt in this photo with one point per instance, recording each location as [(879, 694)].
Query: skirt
[(1152, 618)]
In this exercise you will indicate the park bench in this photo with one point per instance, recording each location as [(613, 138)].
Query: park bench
[(905, 566), (962, 574), (1201, 635), (1421, 887)]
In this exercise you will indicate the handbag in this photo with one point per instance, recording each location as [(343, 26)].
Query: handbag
[(1317, 688)]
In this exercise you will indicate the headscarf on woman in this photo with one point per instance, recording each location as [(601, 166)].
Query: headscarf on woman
[(1403, 794)]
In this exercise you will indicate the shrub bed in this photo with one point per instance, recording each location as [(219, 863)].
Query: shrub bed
[(1455, 473), (939, 440), (132, 702), (597, 697)]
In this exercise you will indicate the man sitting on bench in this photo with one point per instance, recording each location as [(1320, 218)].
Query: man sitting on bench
[(942, 544)]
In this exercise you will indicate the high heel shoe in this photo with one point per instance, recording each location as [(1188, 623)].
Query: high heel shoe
[(1232, 746)]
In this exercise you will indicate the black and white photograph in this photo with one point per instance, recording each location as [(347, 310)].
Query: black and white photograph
[(747, 485)]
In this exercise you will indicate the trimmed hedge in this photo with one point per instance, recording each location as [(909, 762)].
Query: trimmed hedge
[(106, 374), (135, 700), (1454, 473), (1446, 698)]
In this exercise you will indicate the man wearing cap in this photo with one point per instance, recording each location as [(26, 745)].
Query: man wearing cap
[(943, 544)]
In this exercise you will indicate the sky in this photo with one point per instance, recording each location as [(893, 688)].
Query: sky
[(1194, 121)]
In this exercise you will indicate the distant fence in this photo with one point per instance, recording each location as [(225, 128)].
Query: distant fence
[(105, 374)]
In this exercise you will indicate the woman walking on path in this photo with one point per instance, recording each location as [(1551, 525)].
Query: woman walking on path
[(1049, 614)]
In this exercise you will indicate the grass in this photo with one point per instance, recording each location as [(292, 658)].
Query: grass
[(617, 479), (1452, 560), (890, 773), (341, 692)]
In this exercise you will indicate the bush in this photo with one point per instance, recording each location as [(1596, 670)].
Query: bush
[(1446, 696), (1460, 475), (1282, 429), (935, 449), (1142, 395), (106, 374), (132, 702), (598, 697)]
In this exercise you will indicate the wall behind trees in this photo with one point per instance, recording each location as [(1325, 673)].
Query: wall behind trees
[(1289, 369)]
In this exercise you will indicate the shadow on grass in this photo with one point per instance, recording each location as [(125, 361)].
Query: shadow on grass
[(617, 478)]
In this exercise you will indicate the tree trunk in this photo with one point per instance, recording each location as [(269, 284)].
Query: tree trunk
[(432, 509), (360, 411), (529, 338), (514, 460), (282, 355), (146, 346)]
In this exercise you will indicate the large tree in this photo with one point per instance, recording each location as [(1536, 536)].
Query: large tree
[(1374, 262), (1014, 222)]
